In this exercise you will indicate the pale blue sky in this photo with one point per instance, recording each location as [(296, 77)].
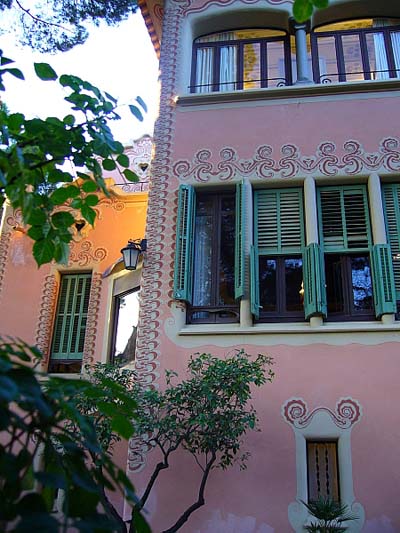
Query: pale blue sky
[(119, 60)]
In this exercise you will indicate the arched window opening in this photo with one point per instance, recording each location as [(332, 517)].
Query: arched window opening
[(241, 59), (350, 51)]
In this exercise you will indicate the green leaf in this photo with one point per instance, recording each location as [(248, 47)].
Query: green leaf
[(123, 160), (59, 196), (91, 200), (15, 72), (15, 121), (88, 214), (62, 219), (45, 72), (69, 120), (141, 102), (130, 175), (36, 217), (302, 10), (320, 4), (109, 164), (61, 253), (89, 186), (136, 112), (43, 251), (35, 233), (122, 426)]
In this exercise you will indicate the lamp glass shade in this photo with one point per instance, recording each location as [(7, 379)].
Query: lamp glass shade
[(130, 255)]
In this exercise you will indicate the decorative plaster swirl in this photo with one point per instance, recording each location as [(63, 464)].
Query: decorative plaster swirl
[(159, 218), (86, 254), (92, 319), (4, 247), (44, 328), (326, 162), (347, 412)]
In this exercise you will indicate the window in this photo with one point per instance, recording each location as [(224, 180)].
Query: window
[(241, 59), (345, 236), (356, 50), (125, 321), (209, 254), (322, 470), (279, 243), (70, 323)]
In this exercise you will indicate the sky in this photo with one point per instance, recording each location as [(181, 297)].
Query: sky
[(120, 60)]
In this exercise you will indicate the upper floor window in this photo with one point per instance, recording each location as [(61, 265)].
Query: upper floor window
[(322, 470), (241, 59), (125, 322), (70, 323), (356, 50)]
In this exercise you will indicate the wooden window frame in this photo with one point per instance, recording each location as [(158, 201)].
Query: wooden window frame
[(72, 362), (310, 442), (281, 314), (239, 44), (216, 313)]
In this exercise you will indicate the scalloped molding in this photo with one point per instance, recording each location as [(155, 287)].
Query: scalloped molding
[(327, 161), (5, 239), (323, 423), (92, 319), (189, 6)]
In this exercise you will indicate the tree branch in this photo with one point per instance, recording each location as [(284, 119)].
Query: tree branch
[(200, 500), (41, 21)]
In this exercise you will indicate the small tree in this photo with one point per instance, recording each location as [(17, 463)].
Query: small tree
[(207, 415)]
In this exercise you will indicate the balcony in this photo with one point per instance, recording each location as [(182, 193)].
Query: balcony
[(350, 51)]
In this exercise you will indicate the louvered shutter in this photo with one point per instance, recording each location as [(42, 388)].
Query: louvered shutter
[(323, 472), (314, 281), (344, 218), (239, 239), (383, 280), (71, 317), (254, 283), (183, 278), (391, 202), (279, 227)]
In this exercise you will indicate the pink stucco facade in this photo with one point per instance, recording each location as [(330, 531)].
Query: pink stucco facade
[(340, 377)]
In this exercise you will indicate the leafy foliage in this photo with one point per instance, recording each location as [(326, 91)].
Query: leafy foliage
[(32, 152), (48, 445), (303, 9), (207, 415), (331, 516), (59, 25)]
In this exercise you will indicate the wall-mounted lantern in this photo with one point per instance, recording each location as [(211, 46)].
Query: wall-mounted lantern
[(132, 251)]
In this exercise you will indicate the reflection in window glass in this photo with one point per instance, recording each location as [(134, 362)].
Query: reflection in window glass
[(126, 314)]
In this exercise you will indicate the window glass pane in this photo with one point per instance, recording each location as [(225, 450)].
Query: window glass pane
[(227, 254), (294, 284), (334, 283), (276, 68), (204, 70), (327, 60), (377, 56), (353, 65), (362, 284), (251, 66), (126, 317), (268, 287), (203, 245), (227, 68), (395, 39)]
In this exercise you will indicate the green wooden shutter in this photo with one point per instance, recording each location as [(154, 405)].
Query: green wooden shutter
[(71, 317), (314, 281), (383, 280), (391, 203), (344, 218), (279, 221), (254, 283), (240, 231), (183, 278)]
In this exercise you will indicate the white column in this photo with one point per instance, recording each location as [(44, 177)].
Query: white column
[(376, 209), (300, 36)]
